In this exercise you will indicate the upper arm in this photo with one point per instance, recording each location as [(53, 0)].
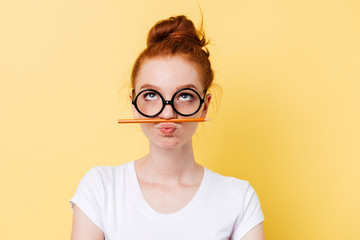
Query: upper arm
[(248, 225), (257, 233), (83, 228)]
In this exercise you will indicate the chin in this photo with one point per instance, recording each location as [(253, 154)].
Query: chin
[(162, 140), (169, 142)]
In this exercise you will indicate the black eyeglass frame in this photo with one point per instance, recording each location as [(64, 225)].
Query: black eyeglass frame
[(165, 102)]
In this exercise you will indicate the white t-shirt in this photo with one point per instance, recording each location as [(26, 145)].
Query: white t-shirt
[(222, 208)]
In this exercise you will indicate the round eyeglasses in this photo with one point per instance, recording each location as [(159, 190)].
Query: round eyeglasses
[(150, 103)]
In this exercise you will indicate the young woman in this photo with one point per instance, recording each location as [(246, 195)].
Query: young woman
[(166, 194)]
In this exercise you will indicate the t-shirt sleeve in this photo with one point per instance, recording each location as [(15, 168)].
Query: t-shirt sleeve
[(252, 214), (89, 197)]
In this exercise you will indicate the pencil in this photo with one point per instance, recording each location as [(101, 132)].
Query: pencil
[(158, 120)]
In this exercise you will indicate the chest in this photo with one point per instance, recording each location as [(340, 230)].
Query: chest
[(147, 211), (166, 199), (201, 222)]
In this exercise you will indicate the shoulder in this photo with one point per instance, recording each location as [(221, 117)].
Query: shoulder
[(104, 174), (99, 182), (230, 185), (234, 192)]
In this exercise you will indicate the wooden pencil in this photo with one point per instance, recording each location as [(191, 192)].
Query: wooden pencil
[(158, 120)]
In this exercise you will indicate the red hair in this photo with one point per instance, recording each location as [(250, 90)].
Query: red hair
[(177, 36)]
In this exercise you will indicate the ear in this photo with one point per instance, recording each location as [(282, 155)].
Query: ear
[(206, 105), (134, 111)]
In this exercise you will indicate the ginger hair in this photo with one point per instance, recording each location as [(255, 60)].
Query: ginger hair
[(177, 36)]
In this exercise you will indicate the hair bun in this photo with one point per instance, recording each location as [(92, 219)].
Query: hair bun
[(177, 28), (177, 36)]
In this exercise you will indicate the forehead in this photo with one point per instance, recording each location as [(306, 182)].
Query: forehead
[(168, 74)]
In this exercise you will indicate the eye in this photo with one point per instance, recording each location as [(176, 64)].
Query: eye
[(150, 96), (186, 97)]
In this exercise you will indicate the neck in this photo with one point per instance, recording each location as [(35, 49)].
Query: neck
[(169, 165)]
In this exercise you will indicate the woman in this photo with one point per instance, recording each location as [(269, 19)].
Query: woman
[(166, 194)]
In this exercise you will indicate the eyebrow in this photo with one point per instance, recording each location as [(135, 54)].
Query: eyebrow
[(150, 86)]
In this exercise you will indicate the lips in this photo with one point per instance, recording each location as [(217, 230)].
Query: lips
[(167, 128)]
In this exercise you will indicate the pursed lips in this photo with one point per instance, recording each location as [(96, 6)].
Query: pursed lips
[(167, 128)]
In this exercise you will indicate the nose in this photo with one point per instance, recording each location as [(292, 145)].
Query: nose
[(168, 112)]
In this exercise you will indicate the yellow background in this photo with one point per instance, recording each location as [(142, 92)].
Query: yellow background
[(289, 119)]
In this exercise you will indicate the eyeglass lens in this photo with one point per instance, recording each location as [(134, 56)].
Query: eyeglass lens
[(151, 103)]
